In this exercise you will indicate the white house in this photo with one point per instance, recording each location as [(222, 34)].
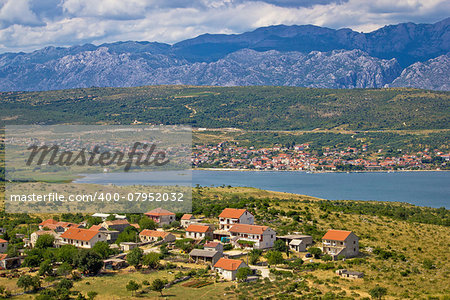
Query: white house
[(199, 232), (3, 245), (186, 220), (161, 216), (228, 268), (35, 235), (252, 236), (81, 238), (340, 242), (230, 216), (214, 246), (148, 235)]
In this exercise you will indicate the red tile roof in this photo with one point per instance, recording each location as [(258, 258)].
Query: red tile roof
[(135, 225), (154, 233), (198, 228), (212, 244), (228, 264), (48, 222), (96, 227), (186, 217), (3, 256), (232, 213), (79, 234), (159, 212), (3, 241), (252, 229), (336, 235), (117, 222)]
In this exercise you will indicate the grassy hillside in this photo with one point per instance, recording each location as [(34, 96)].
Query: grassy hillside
[(256, 108)]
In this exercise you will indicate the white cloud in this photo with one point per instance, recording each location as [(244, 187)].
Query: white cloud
[(25, 27), (18, 12)]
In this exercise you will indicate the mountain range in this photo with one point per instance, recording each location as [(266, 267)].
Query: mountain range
[(402, 55)]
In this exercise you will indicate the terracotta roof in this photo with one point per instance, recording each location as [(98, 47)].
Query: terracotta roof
[(244, 228), (186, 217), (96, 227), (154, 233), (232, 213), (228, 264), (52, 226), (3, 241), (79, 234), (42, 232), (117, 222), (135, 225), (336, 235), (3, 256), (48, 222), (159, 212), (197, 228), (212, 244), (66, 224)]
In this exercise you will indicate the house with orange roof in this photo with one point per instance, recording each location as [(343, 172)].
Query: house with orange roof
[(230, 216), (252, 236), (161, 216), (3, 245), (35, 235), (186, 220), (81, 238), (118, 225), (148, 235), (56, 226), (199, 232), (227, 268), (340, 242)]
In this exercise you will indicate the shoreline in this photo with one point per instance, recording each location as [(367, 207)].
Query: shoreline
[(313, 172)]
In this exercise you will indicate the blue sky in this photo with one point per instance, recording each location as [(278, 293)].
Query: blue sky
[(26, 25)]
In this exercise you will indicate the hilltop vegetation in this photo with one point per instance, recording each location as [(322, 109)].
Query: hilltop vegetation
[(251, 108)]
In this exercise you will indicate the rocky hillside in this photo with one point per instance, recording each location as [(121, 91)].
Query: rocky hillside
[(432, 74), (400, 55)]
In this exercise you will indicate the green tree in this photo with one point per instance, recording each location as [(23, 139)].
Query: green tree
[(315, 251), (65, 284), (46, 268), (32, 261), (12, 251), (243, 273), (64, 269), (25, 282), (254, 256), (132, 286), (93, 221), (128, 235), (151, 260), (158, 285), (45, 241), (134, 257), (274, 257), (102, 249), (147, 223), (378, 292), (280, 245), (327, 257), (67, 253), (163, 250), (88, 261), (91, 295)]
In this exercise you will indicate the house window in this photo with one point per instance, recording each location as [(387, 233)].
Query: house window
[(354, 242)]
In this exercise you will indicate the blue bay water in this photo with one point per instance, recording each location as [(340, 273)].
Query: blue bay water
[(418, 188)]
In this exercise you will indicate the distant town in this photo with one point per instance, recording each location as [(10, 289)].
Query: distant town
[(300, 157)]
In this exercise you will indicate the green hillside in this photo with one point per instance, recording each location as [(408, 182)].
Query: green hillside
[(251, 108)]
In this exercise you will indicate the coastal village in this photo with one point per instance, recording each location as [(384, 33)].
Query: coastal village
[(300, 157), (223, 245)]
